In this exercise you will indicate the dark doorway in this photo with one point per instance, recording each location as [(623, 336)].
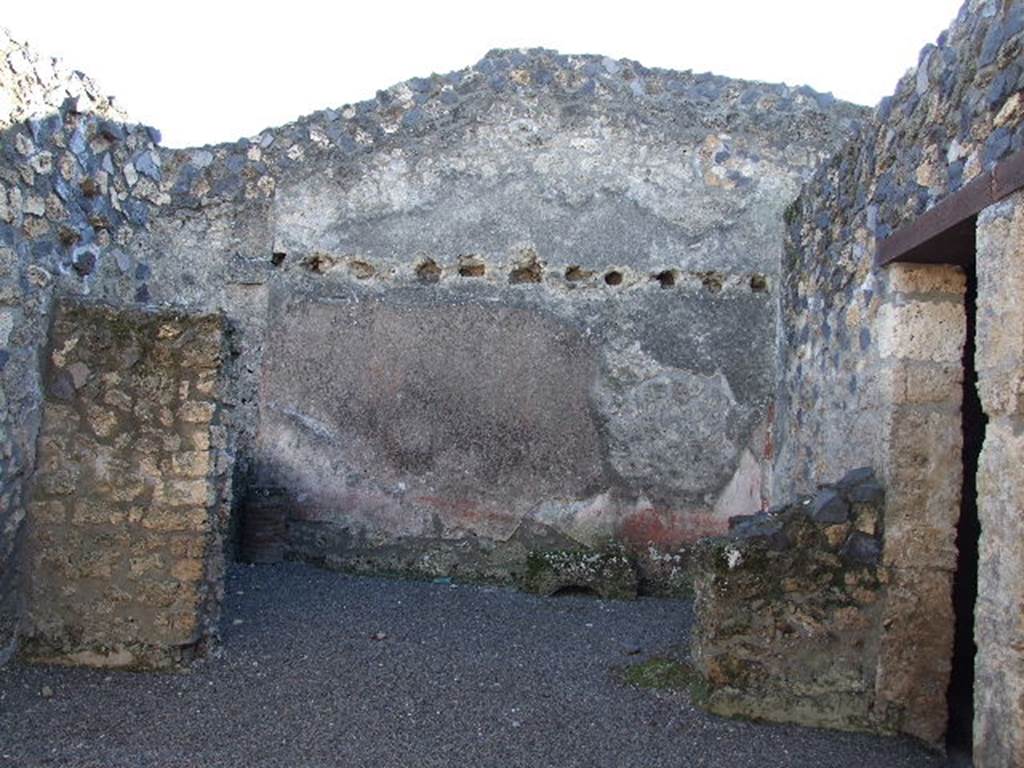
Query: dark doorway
[(965, 582)]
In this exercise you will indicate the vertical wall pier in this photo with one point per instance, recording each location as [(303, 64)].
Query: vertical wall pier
[(965, 584)]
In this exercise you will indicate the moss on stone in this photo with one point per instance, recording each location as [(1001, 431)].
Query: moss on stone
[(609, 573)]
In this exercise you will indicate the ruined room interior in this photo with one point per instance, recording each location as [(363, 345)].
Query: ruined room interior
[(547, 325)]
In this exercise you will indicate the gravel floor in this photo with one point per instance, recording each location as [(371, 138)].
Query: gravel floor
[(322, 669)]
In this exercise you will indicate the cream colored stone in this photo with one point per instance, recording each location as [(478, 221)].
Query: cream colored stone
[(915, 652), (923, 487), (183, 625), (61, 481), (999, 613), (865, 520), (146, 564), (172, 442), (1000, 328), (148, 468), (168, 331), (97, 512), (1012, 111), (161, 518), (836, 534), (1002, 392), (182, 493), (196, 412), (129, 489), (59, 356), (187, 547), (925, 383), (206, 384), (188, 570), (199, 439), (922, 331), (191, 463), (998, 710), (59, 421)]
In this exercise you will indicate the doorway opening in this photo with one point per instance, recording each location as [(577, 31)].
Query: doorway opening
[(960, 696)]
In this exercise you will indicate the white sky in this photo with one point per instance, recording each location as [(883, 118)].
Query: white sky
[(206, 72)]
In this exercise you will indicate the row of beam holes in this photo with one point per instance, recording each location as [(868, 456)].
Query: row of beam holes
[(429, 272), (531, 273)]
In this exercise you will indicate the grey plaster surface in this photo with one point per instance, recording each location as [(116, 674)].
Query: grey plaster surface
[(460, 676), (445, 421)]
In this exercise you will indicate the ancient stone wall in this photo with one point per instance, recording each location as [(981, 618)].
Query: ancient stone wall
[(604, 224), (870, 367), (129, 498), (789, 610), (952, 118), (63, 201), (527, 305)]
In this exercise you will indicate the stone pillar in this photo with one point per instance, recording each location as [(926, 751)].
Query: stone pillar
[(999, 613), (124, 559), (921, 338)]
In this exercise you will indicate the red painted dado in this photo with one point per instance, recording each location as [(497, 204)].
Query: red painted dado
[(463, 508), (669, 529), (470, 514)]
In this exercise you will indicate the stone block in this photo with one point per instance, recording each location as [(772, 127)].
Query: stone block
[(161, 518), (925, 477), (999, 612), (828, 507), (197, 412), (49, 512), (998, 709), (915, 651), (861, 548), (916, 383), (1002, 391), (182, 493), (92, 512), (191, 464), (926, 279), (1000, 326), (188, 570), (922, 331)]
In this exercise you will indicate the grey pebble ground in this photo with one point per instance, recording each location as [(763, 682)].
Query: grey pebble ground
[(322, 669)]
